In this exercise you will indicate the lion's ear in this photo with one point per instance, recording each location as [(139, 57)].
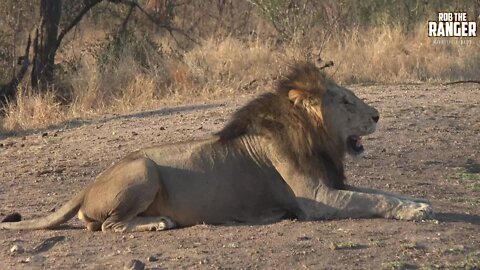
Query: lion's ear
[(297, 96)]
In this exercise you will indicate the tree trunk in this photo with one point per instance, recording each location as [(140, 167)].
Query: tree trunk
[(46, 43)]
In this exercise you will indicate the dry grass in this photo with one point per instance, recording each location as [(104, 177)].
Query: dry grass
[(228, 67), (32, 111), (386, 55)]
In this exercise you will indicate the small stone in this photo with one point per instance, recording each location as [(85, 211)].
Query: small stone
[(134, 133), (17, 249), (333, 246), (36, 259), (134, 265), (202, 262), (231, 245), (44, 134), (303, 238), (152, 259), (162, 128), (14, 217)]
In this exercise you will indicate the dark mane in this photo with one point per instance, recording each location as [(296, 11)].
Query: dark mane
[(303, 76), (291, 128)]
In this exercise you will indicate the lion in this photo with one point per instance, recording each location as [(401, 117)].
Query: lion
[(280, 156)]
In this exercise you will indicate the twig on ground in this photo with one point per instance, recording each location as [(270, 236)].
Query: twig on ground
[(466, 81)]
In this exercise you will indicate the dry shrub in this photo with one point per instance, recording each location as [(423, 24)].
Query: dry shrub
[(231, 66), (33, 110), (123, 86), (140, 93), (387, 54)]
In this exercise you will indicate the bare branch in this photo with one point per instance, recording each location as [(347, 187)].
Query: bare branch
[(127, 18), (9, 90), (458, 82), (89, 4), (326, 65), (167, 27)]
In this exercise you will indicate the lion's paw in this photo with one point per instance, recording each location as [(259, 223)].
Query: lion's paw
[(417, 211)]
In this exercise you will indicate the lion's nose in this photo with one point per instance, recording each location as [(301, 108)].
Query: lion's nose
[(375, 118)]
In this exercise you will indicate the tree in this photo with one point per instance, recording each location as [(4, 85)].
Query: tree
[(46, 43), (48, 36)]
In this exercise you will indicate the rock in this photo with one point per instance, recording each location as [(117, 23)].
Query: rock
[(333, 246), (44, 134), (152, 259), (231, 245), (134, 265), (17, 249), (14, 217), (303, 238), (36, 259)]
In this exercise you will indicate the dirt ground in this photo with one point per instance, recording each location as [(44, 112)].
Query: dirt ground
[(427, 145)]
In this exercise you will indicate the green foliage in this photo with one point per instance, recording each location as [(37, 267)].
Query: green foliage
[(472, 179), (286, 16), (469, 176)]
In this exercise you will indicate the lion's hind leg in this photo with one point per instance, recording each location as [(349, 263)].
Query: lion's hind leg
[(94, 226), (91, 224), (139, 224), (122, 194), (142, 224)]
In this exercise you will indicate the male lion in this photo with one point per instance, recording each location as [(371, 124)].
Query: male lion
[(281, 155)]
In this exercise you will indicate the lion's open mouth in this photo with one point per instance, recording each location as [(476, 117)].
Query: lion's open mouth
[(354, 145)]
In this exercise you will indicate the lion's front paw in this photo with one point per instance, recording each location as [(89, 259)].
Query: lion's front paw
[(416, 211)]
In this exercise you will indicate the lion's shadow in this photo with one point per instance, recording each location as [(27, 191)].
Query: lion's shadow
[(457, 217)]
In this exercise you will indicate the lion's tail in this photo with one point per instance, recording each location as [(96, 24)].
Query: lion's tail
[(65, 213)]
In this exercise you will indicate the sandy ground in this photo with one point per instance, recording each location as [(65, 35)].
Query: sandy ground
[(427, 146)]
